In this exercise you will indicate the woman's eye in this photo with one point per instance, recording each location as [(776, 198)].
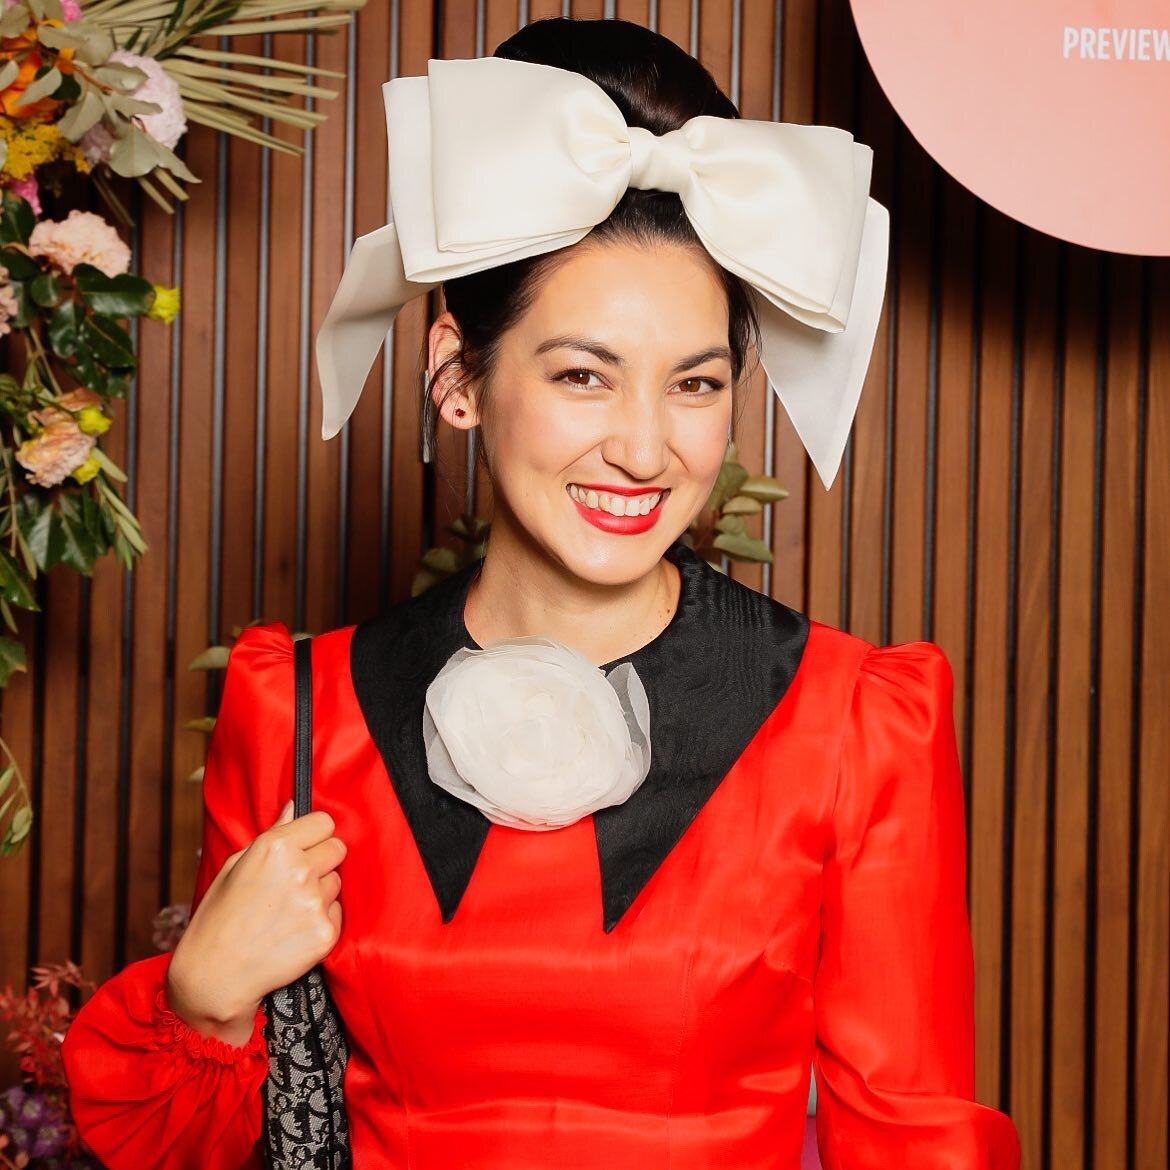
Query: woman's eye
[(699, 385), (578, 377)]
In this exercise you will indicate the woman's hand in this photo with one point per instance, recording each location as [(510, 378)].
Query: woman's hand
[(270, 915)]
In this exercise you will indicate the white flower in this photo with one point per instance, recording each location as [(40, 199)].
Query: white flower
[(533, 734), (167, 126)]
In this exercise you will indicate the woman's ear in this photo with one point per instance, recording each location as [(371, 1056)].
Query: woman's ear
[(451, 399)]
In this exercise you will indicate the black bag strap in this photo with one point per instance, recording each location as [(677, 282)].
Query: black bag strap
[(303, 743)]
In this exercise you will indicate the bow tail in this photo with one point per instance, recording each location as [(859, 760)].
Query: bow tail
[(818, 375), (372, 290)]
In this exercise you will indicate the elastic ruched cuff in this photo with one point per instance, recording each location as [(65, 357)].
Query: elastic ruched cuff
[(175, 1032)]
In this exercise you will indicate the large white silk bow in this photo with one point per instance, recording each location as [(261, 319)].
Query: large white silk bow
[(494, 160)]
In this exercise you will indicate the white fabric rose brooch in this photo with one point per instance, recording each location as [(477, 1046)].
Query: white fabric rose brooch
[(533, 734)]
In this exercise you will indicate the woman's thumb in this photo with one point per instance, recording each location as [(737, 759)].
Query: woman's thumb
[(286, 814)]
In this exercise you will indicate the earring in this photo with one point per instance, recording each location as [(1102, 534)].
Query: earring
[(459, 412)]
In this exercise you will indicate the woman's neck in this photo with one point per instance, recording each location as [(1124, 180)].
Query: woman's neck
[(519, 592)]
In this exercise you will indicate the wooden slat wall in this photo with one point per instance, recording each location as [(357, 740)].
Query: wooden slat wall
[(1004, 494)]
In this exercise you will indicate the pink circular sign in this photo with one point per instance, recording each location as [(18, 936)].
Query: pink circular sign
[(1056, 112)]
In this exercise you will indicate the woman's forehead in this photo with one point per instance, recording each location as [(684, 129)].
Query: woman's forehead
[(629, 296)]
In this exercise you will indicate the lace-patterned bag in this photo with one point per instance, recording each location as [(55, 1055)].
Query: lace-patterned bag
[(305, 1123)]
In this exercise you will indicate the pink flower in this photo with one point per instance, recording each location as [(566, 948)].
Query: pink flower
[(8, 305), (71, 10), (52, 454), (167, 126), (82, 238), (28, 190)]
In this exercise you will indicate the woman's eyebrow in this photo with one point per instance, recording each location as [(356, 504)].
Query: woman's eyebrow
[(605, 354), (602, 352)]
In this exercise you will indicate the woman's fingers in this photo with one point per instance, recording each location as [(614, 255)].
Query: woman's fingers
[(326, 856)]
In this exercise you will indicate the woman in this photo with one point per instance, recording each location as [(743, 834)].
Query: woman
[(755, 866)]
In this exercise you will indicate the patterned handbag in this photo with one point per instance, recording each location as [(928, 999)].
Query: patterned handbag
[(305, 1123)]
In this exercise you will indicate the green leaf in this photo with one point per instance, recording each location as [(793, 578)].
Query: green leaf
[(14, 587), (742, 505), (35, 519), (205, 723), (733, 525), (72, 536), (124, 295), (21, 823), (213, 658), (91, 44), (44, 85), (440, 560), (763, 488), (6, 778), (81, 117), (110, 343), (727, 484), (17, 220), (11, 659), (743, 548), (64, 330), (20, 265), (45, 290), (135, 154), (14, 21), (26, 307)]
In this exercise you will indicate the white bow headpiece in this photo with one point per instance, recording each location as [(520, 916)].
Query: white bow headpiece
[(493, 160)]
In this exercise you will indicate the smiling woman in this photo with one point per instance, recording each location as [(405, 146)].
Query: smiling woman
[(603, 417), (629, 850)]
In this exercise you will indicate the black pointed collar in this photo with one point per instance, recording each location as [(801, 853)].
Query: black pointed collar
[(712, 677)]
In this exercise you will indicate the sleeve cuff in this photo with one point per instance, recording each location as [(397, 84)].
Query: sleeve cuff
[(174, 1032)]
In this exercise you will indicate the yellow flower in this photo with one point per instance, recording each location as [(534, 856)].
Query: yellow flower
[(31, 142), (87, 470), (165, 305), (91, 421)]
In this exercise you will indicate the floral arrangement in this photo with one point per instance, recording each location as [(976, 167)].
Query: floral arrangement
[(108, 87), (36, 1130), (719, 529), (65, 290), (101, 90)]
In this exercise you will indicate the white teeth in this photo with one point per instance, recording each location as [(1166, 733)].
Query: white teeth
[(613, 504)]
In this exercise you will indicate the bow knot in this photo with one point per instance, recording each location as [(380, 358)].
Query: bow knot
[(659, 162)]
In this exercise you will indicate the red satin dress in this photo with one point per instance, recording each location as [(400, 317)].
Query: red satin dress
[(640, 992)]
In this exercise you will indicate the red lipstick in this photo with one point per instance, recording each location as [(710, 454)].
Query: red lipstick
[(620, 525)]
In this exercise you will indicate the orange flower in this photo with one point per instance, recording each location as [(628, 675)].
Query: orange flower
[(29, 50)]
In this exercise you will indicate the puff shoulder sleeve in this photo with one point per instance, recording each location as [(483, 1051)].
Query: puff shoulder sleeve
[(146, 1090), (894, 987)]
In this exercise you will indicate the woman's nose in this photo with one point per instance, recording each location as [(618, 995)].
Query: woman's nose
[(639, 436)]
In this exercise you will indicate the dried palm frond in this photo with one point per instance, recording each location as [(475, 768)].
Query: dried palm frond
[(225, 90)]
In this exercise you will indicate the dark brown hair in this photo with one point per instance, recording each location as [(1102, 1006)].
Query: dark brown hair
[(655, 85)]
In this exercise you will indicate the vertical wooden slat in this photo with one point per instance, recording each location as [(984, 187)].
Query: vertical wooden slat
[(1117, 625), (150, 747), (756, 36), (866, 453), (950, 619), (193, 535), (240, 354), (324, 458), (1150, 1071), (1073, 711), (364, 505), (986, 811), (914, 239), (1031, 746)]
